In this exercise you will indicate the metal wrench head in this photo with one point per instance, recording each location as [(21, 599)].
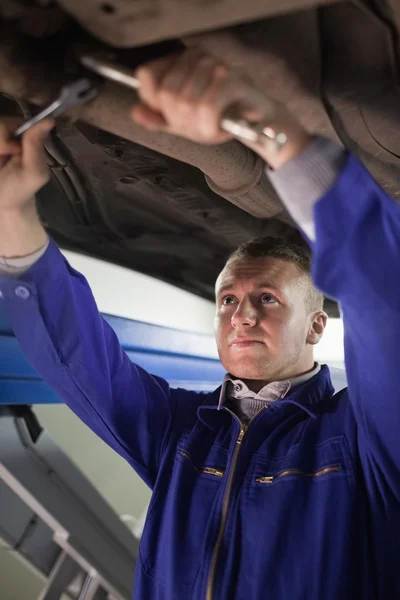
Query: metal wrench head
[(75, 93)]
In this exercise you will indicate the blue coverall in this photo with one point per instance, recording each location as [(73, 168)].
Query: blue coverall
[(308, 503)]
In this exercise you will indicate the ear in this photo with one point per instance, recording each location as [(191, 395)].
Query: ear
[(317, 327)]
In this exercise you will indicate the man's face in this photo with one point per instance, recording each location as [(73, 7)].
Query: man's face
[(262, 323)]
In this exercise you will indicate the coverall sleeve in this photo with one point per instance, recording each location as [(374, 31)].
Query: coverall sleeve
[(62, 334), (356, 260)]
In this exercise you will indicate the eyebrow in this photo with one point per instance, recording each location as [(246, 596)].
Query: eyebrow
[(261, 285)]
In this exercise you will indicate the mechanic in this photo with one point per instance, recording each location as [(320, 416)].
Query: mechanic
[(272, 487)]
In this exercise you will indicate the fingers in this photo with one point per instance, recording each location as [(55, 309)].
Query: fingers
[(148, 118), (24, 173), (199, 79), (182, 89), (174, 88), (219, 95), (8, 146), (150, 77), (181, 71), (4, 160), (33, 152), (171, 85)]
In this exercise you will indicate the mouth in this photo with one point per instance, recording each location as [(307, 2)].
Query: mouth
[(245, 343)]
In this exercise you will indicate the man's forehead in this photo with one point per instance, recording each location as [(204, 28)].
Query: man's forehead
[(260, 270)]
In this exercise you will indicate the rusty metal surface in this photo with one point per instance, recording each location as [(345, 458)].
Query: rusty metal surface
[(148, 211), (233, 170), (126, 23), (38, 20), (282, 57), (14, 9), (362, 95)]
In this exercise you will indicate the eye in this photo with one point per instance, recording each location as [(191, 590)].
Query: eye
[(228, 300), (268, 299)]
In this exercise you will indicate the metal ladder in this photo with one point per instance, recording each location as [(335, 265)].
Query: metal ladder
[(56, 519)]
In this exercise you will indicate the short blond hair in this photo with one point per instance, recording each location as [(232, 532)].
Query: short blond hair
[(294, 253)]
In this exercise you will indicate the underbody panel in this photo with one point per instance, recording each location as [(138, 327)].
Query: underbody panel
[(174, 209)]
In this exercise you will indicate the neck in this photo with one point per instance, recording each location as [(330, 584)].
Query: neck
[(255, 385)]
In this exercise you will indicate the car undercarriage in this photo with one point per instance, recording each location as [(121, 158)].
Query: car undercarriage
[(165, 206)]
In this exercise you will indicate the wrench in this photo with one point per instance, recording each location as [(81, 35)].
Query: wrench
[(72, 94), (239, 128)]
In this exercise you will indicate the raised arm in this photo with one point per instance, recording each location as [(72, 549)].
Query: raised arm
[(357, 261), (354, 230), (59, 328)]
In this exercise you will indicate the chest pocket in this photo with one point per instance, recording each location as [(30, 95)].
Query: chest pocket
[(304, 464), (290, 503), (183, 455)]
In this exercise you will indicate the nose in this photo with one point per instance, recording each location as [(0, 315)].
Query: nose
[(245, 315)]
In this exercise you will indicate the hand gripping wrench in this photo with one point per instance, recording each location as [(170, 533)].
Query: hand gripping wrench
[(239, 128)]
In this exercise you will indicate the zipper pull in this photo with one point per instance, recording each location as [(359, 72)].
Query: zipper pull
[(265, 479), (243, 429), (212, 471)]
